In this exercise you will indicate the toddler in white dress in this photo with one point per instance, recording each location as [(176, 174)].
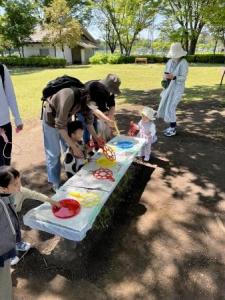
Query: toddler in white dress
[(147, 130)]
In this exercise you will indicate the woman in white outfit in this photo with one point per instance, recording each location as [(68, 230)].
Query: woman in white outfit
[(174, 81)]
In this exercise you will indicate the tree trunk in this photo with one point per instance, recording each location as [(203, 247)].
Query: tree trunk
[(121, 47), (130, 45), (63, 52), (185, 41), (214, 50), (19, 51), (111, 47), (22, 51), (193, 44), (55, 51)]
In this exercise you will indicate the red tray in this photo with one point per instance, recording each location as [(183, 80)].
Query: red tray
[(69, 208)]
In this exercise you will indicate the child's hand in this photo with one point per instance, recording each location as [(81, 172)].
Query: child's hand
[(77, 152), (133, 129), (55, 203), (100, 141)]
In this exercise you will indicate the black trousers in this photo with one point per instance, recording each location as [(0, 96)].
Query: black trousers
[(5, 150)]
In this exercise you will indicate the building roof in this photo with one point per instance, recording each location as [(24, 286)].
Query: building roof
[(87, 40)]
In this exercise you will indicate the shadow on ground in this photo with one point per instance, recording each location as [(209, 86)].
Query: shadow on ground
[(166, 239)]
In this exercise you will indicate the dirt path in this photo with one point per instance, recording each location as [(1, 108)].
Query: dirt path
[(166, 242)]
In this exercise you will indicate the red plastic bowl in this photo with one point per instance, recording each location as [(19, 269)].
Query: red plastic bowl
[(69, 208)]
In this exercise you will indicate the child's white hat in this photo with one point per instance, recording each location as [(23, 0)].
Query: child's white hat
[(149, 113)]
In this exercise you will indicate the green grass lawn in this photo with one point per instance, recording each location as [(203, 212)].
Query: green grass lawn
[(202, 82)]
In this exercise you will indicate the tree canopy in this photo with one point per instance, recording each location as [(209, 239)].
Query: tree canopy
[(79, 9), (18, 21), (128, 18), (61, 28)]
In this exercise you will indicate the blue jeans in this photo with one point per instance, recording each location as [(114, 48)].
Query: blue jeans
[(86, 136), (53, 144)]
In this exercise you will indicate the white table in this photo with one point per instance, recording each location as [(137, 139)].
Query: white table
[(83, 182)]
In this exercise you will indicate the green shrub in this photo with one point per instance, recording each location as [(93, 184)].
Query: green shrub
[(117, 58), (155, 59), (37, 61), (206, 58), (128, 59), (114, 58), (98, 58)]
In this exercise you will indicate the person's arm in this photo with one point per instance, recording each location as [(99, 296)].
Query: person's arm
[(111, 112), (26, 193), (100, 141), (11, 99), (76, 151), (183, 71), (100, 115), (166, 69), (111, 103)]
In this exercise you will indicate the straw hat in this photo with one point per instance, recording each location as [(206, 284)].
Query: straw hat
[(176, 51), (112, 83), (149, 113)]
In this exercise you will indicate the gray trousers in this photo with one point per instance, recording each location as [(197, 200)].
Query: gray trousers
[(5, 282)]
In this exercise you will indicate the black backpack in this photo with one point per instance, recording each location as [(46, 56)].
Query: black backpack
[(2, 74), (60, 83)]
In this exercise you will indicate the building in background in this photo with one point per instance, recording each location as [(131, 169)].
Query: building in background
[(80, 54)]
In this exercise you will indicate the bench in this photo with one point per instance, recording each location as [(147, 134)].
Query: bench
[(84, 183), (141, 60)]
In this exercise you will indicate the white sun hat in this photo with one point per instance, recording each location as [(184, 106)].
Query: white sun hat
[(149, 113), (176, 51)]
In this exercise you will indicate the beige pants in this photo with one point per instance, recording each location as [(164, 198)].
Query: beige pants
[(5, 282)]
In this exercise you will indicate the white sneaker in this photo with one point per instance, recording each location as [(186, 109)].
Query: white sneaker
[(170, 132), (14, 260), (23, 246), (146, 159), (167, 129)]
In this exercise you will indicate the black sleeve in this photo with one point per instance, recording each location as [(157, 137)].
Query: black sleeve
[(111, 101)]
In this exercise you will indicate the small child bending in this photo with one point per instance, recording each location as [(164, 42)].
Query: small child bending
[(72, 163), (12, 196), (147, 130)]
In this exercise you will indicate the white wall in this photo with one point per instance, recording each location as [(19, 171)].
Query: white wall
[(85, 55), (34, 50), (67, 53)]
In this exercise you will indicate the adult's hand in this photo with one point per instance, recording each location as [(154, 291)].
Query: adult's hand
[(169, 76), (19, 128), (77, 152)]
